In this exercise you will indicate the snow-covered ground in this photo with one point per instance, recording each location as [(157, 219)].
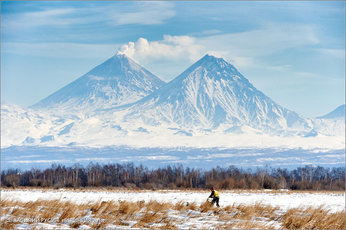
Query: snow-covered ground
[(27, 127), (167, 209), (334, 201)]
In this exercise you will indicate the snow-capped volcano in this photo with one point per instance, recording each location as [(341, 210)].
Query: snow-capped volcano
[(211, 93), (117, 81)]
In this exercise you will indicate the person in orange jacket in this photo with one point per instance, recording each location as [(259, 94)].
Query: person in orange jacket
[(215, 195)]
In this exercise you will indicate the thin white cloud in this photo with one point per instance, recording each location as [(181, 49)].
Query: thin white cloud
[(50, 17), (337, 53), (261, 42), (206, 32), (140, 13), (146, 13), (49, 13)]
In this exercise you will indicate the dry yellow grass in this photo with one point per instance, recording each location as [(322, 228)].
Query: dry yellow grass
[(313, 218), (148, 218), (169, 226), (183, 206), (158, 206), (245, 225), (246, 216), (207, 206), (7, 225), (127, 209), (249, 211), (153, 212), (180, 206), (192, 206)]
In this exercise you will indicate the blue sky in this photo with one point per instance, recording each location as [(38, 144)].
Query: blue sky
[(293, 51)]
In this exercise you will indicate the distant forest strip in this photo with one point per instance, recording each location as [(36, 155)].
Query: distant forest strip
[(176, 176)]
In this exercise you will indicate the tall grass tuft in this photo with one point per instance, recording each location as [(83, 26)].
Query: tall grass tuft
[(313, 218)]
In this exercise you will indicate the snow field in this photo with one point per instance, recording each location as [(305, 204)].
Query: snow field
[(165, 209), (284, 200)]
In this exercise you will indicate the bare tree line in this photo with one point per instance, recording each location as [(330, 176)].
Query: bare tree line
[(176, 176)]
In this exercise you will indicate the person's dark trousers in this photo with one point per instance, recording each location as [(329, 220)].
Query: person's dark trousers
[(216, 200)]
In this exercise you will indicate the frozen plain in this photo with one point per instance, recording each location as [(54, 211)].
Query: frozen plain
[(274, 205), (334, 201)]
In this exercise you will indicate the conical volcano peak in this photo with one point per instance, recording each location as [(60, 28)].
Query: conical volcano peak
[(117, 81), (217, 64), (118, 65), (123, 58), (211, 57), (213, 67)]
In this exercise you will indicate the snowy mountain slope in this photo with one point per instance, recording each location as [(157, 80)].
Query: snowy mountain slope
[(209, 94), (332, 123), (117, 81), (329, 127), (338, 113), (27, 127)]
